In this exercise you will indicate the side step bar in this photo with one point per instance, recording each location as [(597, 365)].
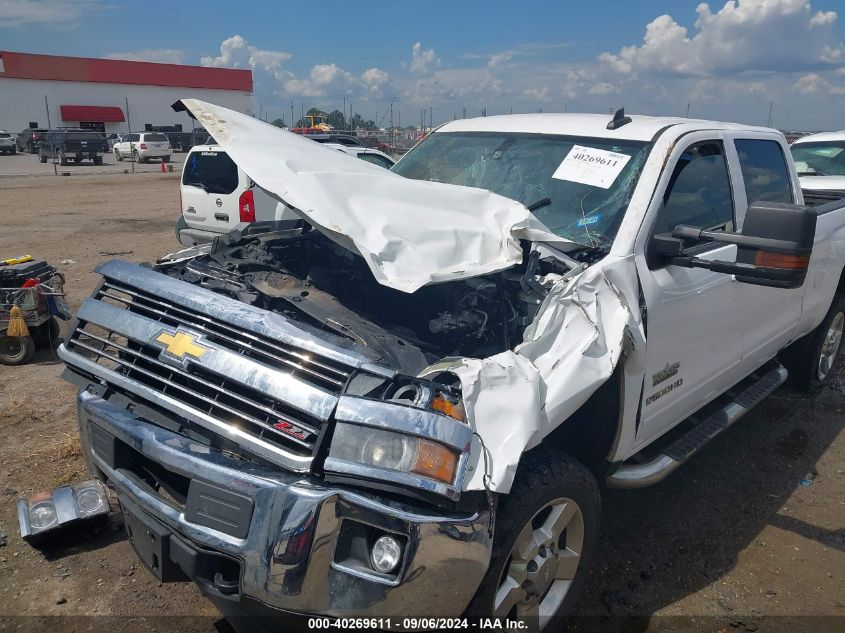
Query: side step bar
[(649, 473)]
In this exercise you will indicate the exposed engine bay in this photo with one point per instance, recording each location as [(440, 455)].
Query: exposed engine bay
[(301, 274)]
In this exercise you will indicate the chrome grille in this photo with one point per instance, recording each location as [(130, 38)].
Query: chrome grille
[(321, 372), (222, 398), (259, 381)]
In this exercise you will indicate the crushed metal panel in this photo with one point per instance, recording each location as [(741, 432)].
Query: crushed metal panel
[(410, 232), (516, 398)]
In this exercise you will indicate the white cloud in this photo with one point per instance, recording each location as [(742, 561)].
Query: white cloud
[(273, 79), (536, 94), (822, 18), (160, 55), (324, 79), (498, 59), (236, 52), (59, 14), (423, 61), (601, 88), (814, 83), (671, 68), (754, 35), (374, 80)]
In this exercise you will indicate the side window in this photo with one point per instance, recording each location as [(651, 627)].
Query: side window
[(375, 159), (699, 192), (764, 171)]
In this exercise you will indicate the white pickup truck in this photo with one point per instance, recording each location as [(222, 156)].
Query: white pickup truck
[(403, 403)]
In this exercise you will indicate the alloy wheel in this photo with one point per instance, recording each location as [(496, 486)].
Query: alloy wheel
[(542, 563)]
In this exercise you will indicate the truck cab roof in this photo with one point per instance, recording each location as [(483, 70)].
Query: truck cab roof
[(821, 137), (641, 127)]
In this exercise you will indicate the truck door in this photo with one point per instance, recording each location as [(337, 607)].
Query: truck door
[(695, 318), (761, 164)]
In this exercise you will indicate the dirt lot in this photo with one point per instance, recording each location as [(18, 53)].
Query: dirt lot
[(753, 527), (24, 164)]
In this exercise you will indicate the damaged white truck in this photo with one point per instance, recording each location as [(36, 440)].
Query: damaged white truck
[(402, 403)]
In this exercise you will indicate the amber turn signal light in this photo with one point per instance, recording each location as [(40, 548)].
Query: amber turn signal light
[(767, 259), (441, 404), (436, 462)]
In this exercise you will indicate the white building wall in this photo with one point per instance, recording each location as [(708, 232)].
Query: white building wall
[(22, 101)]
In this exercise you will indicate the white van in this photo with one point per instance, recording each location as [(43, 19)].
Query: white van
[(216, 196)]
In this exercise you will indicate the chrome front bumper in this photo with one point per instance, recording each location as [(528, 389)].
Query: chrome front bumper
[(287, 555)]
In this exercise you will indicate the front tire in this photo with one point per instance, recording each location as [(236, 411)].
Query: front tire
[(811, 360), (547, 530)]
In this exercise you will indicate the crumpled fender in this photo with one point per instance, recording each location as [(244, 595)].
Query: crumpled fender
[(516, 398)]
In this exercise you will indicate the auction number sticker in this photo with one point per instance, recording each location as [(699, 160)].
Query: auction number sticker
[(591, 166)]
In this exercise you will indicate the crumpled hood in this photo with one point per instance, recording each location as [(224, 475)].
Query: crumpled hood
[(410, 232)]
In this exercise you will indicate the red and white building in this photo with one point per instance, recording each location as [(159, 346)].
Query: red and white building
[(92, 93)]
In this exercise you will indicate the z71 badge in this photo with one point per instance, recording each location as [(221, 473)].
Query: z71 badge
[(665, 374)]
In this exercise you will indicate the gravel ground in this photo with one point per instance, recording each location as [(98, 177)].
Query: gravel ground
[(752, 528), (29, 165)]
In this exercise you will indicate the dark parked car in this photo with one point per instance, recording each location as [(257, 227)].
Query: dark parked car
[(341, 139), (27, 140), (72, 146)]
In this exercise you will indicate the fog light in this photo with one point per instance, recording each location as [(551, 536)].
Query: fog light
[(386, 554)]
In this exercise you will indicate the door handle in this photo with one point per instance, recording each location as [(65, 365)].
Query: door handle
[(223, 217), (190, 210)]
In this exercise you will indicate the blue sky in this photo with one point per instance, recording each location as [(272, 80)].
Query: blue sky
[(727, 61)]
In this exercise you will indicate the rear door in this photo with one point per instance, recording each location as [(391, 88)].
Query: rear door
[(124, 146), (762, 167), (211, 186)]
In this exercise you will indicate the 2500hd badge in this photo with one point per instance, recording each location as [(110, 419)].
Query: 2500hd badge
[(667, 389)]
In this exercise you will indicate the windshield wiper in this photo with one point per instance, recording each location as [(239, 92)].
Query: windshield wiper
[(542, 202), (811, 173), (198, 185)]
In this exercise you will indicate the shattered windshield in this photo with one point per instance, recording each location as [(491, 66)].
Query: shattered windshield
[(578, 187)]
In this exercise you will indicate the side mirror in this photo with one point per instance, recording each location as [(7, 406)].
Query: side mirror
[(774, 246)]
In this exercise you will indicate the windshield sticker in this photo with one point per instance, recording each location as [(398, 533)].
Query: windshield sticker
[(591, 219), (591, 166)]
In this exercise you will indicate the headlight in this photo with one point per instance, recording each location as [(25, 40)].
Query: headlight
[(63, 507), (394, 451), (408, 434), (428, 397), (42, 512)]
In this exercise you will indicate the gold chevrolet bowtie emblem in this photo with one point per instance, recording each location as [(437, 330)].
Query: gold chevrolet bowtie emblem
[(181, 344)]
